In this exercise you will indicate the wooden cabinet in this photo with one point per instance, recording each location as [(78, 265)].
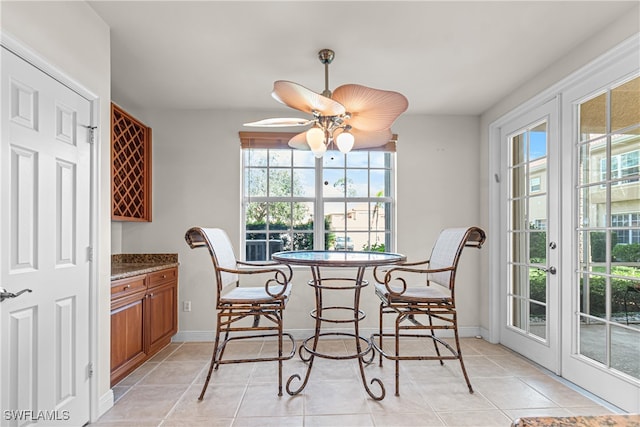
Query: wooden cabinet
[(162, 303), (144, 317), (130, 167)]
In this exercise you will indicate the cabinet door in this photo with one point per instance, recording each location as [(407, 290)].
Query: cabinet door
[(127, 335), (162, 315)]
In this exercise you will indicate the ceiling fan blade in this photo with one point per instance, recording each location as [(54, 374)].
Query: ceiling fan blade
[(370, 139), (280, 122), (303, 99), (371, 109), (299, 141)]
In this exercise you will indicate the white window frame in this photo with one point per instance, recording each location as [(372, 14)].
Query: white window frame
[(318, 201)]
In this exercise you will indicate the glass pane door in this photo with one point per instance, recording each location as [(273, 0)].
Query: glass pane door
[(527, 291), (530, 290), (608, 232)]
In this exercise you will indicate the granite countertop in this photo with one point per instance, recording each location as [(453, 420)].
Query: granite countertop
[(128, 265), (630, 420)]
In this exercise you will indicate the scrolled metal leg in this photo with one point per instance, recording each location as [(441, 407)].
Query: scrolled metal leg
[(361, 357), (297, 377)]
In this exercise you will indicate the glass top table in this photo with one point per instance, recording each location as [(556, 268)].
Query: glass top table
[(317, 260), (338, 258)]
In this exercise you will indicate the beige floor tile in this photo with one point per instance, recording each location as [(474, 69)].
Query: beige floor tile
[(192, 351), (534, 412), (263, 399), (589, 410), (165, 352), (138, 374), (173, 373), (145, 403), (199, 422), (333, 397), (475, 418), (163, 392), (511, 393), (220, 401), (126, 424), (426, 370), (483, 347), (410, 401), (232, 373), (348, 420), (481, 367), (561, 394), (407, 420), (444, 395), (516, 365), (269, 421), (119, 391)]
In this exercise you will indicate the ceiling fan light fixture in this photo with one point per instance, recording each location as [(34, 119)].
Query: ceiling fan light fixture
[(319, 152), (345, 141), (315, 138), (351, 117)]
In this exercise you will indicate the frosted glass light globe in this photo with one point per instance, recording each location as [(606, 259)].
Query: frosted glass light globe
[(345, 142)]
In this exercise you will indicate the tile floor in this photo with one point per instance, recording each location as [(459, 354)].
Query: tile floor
[(163, 391)]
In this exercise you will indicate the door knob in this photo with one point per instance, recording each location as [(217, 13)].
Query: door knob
[(4, 294), (551, 270)]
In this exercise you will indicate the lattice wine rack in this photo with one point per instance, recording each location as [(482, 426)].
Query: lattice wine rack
[(130, 167)]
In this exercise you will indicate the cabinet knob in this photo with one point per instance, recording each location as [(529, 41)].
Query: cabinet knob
[(128, 286)]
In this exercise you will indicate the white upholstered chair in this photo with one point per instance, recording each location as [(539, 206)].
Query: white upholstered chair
[(421, 295), (237, 305)]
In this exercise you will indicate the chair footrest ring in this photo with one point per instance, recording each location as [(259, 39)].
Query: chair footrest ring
[(362, 353), (374, 344), (257, 359)]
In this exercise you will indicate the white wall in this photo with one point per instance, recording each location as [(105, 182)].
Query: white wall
[(72, 38), (196, 181)]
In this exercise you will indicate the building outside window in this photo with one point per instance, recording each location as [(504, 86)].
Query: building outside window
[(534, 184), (284, 191)]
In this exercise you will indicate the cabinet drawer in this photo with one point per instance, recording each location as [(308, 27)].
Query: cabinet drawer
[(124, 287), (163, 276)]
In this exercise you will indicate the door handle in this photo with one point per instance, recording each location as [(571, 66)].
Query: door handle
[(5, 295), (551, 270)]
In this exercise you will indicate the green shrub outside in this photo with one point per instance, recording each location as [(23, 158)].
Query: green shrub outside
[(597, 288)]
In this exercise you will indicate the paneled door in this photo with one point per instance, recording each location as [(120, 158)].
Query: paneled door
[(530, 292), (45, 209)]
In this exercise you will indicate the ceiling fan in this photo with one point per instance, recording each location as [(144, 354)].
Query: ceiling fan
[(353, 116)]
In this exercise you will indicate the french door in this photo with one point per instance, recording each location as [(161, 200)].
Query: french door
[(530, 291), (566, 210), (601, 317)]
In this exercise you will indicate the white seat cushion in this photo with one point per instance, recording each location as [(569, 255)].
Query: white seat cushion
[(253, 294), (432, 293)]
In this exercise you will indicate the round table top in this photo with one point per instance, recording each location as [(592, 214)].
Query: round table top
[(338, 258)]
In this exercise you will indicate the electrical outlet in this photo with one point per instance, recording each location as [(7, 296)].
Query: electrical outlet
[(186, 306)]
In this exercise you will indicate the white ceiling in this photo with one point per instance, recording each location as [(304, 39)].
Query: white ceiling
[(446, 57)]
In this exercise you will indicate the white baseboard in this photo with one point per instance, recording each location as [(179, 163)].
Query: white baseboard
[(105, 403), (301, 334)]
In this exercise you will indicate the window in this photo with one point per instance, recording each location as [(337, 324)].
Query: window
[(285, 190), (628, 226), (534, 184), (625, 167)]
